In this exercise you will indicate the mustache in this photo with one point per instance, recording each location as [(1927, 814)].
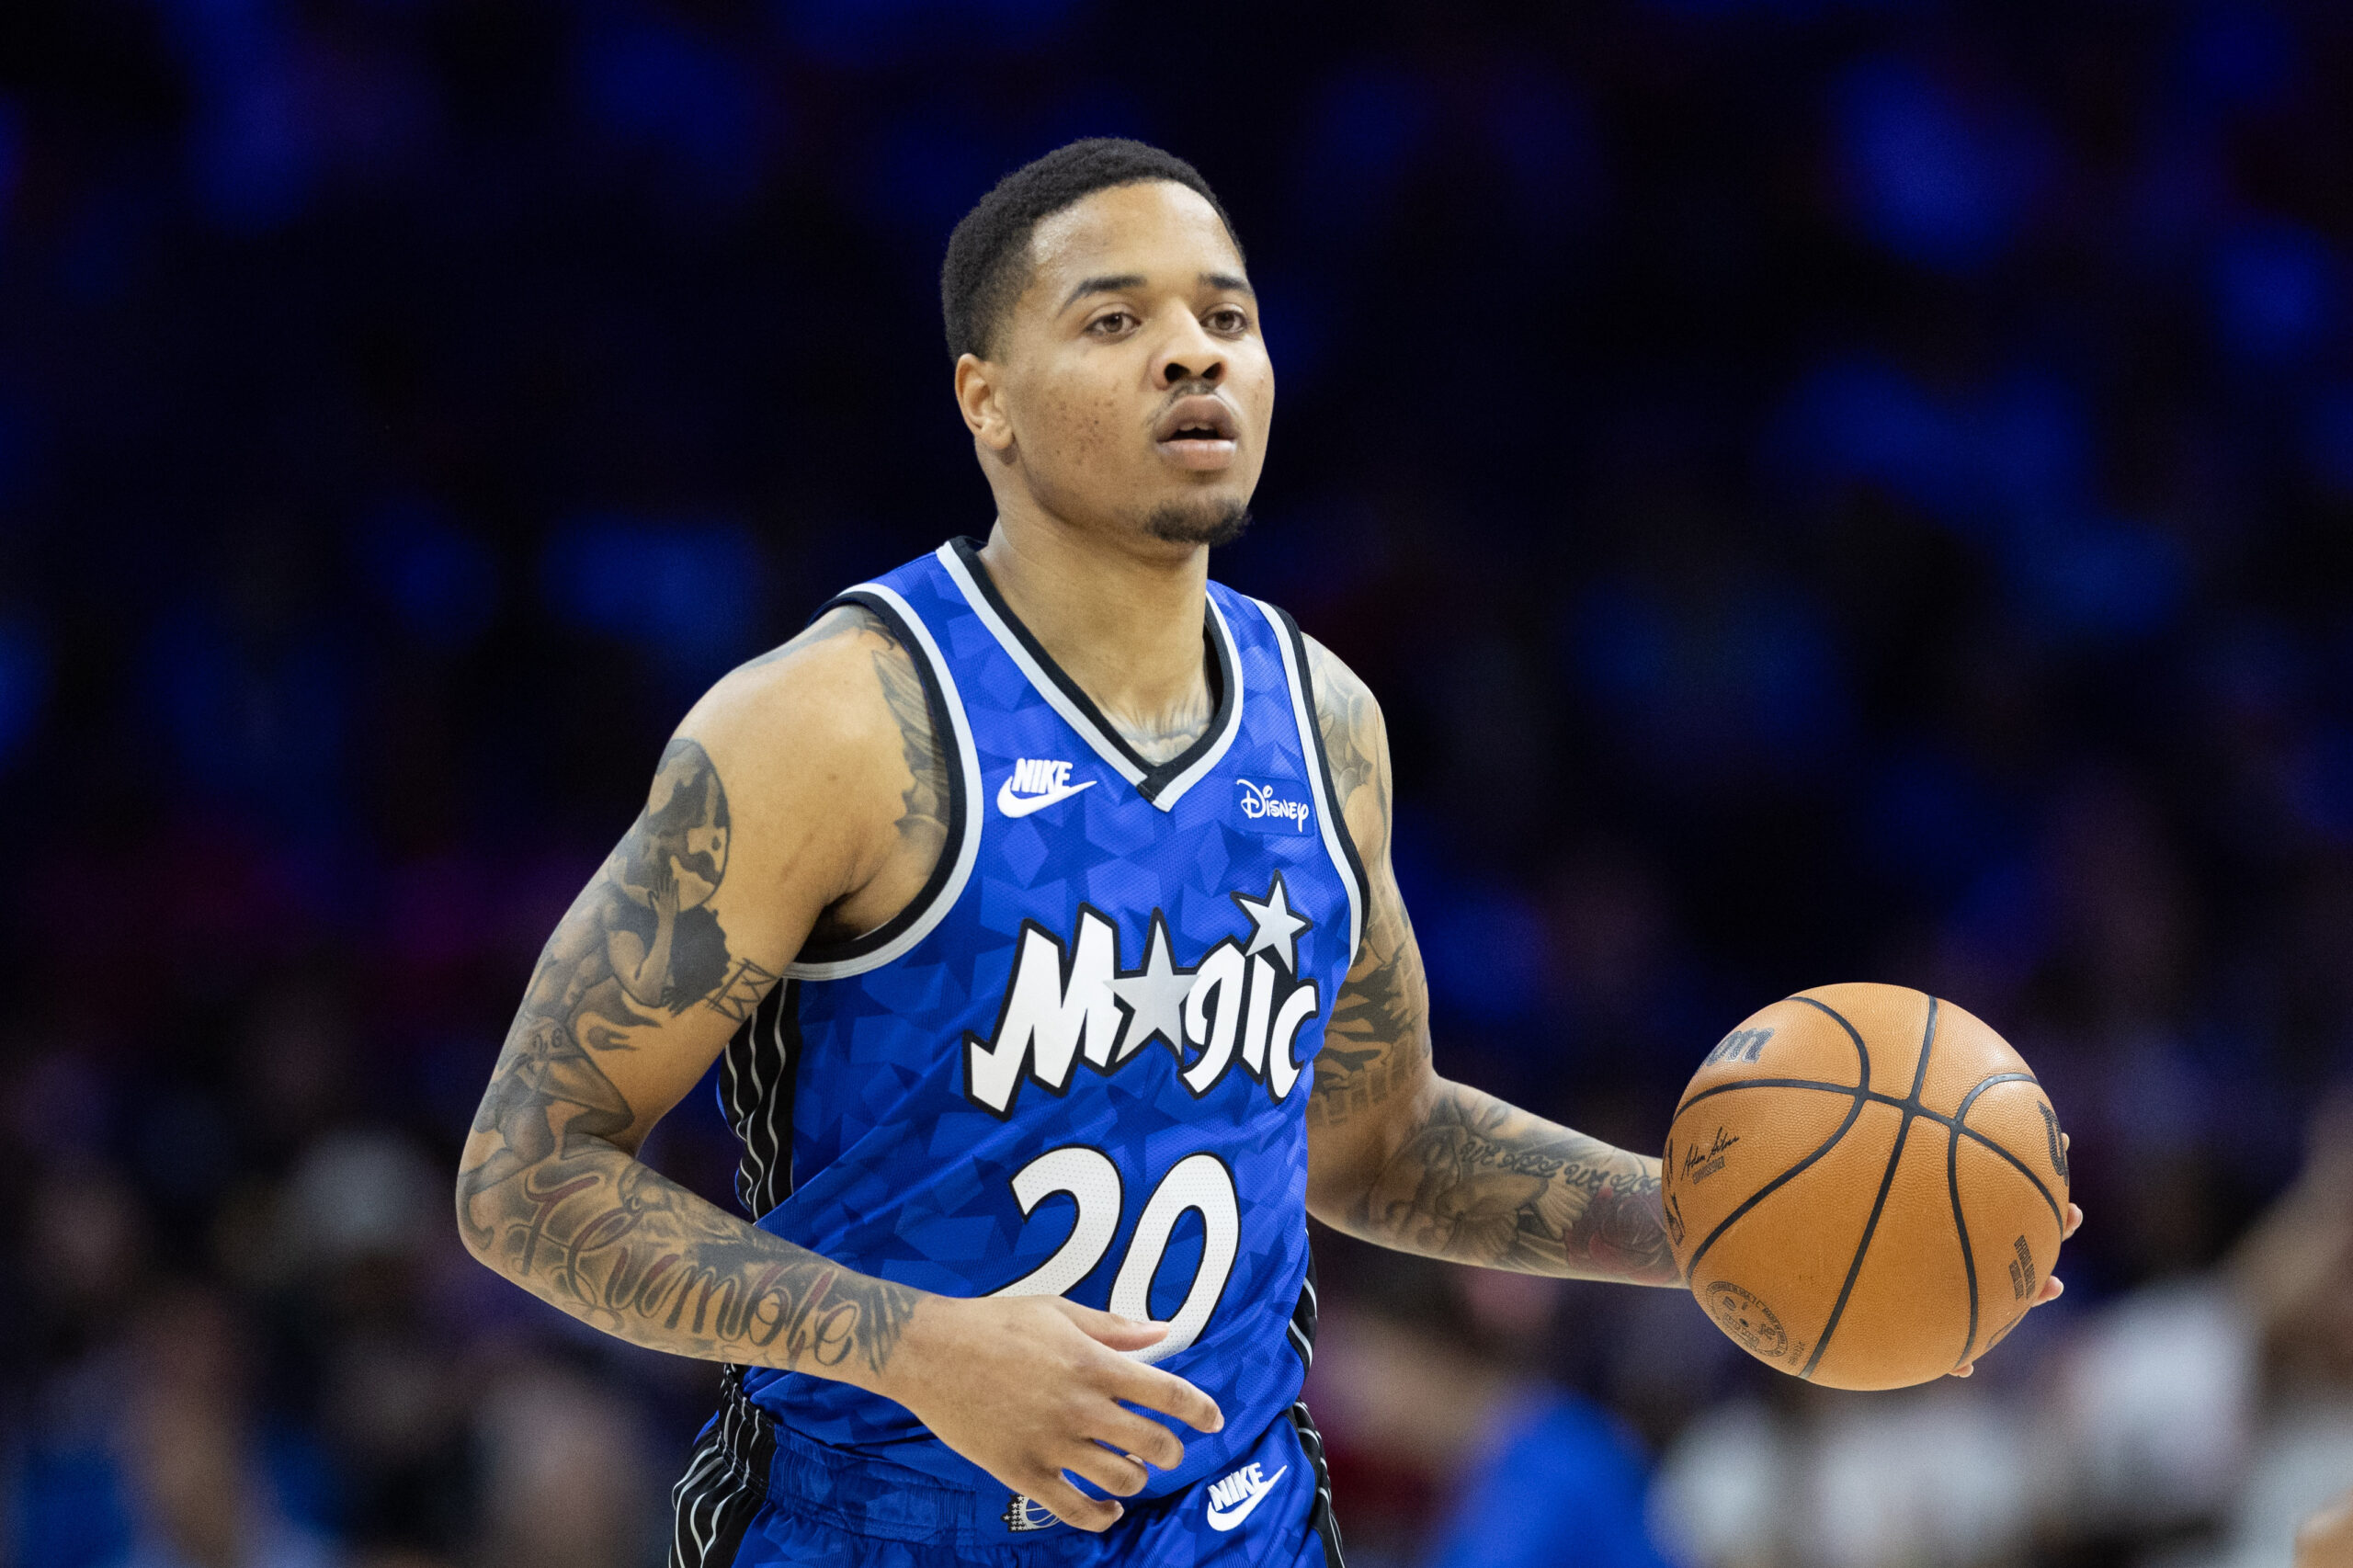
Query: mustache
[(1196, 387)]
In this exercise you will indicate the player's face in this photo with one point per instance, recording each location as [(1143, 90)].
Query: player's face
[(1135, 385)]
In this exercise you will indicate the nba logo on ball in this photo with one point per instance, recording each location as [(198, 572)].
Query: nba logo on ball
[(1875, 1208), (1748, 1319)]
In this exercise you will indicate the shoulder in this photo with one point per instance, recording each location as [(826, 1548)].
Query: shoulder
[(828, 680), (1355, 746), (1340, 692), (837, 710)]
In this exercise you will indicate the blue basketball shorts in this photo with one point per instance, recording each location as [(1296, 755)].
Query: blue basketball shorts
[(755, 1494)]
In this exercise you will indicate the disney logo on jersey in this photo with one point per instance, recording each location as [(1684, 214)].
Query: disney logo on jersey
[(1241, 1006), (1259, 801)]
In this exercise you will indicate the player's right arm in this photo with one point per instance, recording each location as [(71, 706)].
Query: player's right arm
[(806, 793)]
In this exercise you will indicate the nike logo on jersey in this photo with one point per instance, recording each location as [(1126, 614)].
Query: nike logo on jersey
[(1034, 784), (1231, 1499), (1242, 1005)]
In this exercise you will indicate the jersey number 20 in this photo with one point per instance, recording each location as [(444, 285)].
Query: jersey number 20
[(1199, 1182)]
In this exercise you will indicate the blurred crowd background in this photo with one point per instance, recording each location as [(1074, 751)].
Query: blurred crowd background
[(1825, 490)]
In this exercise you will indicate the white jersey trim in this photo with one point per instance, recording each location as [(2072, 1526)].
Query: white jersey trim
[(1311, 742), (968, 763), (1174, 791), (1114, 755)]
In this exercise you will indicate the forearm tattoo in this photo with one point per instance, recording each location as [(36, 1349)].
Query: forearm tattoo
[(1472, 1179), (1480, 1181), (549, 1197)]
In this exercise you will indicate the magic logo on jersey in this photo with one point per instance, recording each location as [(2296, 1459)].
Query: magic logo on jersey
[(1069, 1000)]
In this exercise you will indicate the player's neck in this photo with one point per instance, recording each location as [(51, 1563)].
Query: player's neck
[(1126, 625)]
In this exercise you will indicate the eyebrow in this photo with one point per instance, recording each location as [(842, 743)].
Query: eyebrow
[(1107, 285), (1116, 282)]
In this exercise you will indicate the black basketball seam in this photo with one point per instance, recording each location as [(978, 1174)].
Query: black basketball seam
[(1769, 1083), (1953, 1174), (1879, 1204), (1976, 1137), (1874, 1096), (1960, 1221), (2017, 1164), (1982, 1085), (1960, 1227), (1863, 1054)]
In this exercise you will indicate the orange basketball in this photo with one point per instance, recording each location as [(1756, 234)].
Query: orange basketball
[(1865, 1185)]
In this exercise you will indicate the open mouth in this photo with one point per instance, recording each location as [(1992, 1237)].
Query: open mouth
[(1198, 432)]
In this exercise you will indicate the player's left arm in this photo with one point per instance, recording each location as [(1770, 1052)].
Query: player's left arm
[(1401, 1156)]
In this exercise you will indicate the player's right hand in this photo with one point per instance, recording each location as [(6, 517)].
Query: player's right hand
[(1028, 1387)]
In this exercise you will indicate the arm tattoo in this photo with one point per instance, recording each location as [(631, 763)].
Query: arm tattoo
[(1356, 743), (923, 803), (550, 1196), (1470, 1177), (1378, 1038), (1482, 1182), (922, 818)]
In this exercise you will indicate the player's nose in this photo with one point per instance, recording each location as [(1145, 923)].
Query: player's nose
[(1190, 354)]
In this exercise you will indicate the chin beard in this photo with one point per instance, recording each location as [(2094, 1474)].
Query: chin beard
[(1211, 522)]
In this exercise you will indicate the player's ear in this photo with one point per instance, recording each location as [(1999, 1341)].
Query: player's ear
[(978, 394)]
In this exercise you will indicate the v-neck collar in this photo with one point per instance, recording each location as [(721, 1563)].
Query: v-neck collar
[(1162, 784)]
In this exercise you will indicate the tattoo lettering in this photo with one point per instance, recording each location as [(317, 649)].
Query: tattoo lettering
[(630, 1252), (1482, 1182), (739, 994)]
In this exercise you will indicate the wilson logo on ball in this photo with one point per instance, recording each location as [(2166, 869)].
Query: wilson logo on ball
[(1741, 1045), (2058, 1148)]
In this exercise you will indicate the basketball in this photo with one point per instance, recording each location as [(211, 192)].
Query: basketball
[(1865, 1185)]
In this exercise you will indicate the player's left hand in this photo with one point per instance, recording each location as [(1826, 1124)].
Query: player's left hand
[(2052, 1287)]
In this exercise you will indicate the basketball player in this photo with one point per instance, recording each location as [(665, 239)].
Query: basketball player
[(1039, 895)]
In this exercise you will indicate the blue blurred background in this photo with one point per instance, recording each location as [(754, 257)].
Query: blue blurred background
[(1825, 490)]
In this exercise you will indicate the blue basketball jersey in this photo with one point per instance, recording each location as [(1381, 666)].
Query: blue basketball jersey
[(1077, 1064)]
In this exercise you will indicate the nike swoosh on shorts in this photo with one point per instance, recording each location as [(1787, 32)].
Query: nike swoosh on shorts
[(1226, 1521)]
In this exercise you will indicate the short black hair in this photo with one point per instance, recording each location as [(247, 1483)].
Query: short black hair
[(985, 269)]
